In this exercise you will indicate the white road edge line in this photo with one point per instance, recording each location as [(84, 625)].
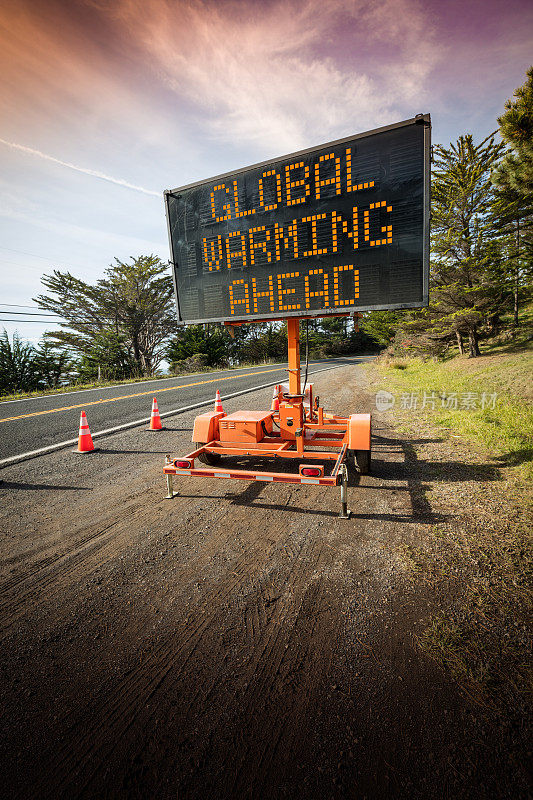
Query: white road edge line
[(5, 462)]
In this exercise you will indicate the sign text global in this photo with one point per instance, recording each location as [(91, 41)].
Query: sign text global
[(331, 230)]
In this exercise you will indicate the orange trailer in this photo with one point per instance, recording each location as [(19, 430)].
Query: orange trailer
[(324, 444)]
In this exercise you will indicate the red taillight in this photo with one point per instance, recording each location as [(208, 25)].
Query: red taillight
[(183, 464), (311, 472)]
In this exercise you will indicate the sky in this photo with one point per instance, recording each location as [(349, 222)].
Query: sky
[(104, 104)]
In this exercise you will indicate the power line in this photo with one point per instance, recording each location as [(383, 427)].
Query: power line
[(16, 305), (25, 253), (43, 258), (31, 313), (36, 321)]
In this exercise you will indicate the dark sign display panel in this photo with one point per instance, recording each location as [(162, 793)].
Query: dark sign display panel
[(338, 228)]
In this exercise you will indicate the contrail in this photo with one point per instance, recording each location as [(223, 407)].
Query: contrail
[(93, 172)]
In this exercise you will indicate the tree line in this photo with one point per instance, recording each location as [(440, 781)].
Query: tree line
[(124, 326), (481, 239)]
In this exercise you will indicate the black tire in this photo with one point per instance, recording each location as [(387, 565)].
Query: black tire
[(362, 458), (207, 458)]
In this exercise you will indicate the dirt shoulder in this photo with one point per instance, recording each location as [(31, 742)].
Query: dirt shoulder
[(239, 641)]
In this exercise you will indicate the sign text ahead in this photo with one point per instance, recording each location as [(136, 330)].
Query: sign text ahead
[(343, 227)]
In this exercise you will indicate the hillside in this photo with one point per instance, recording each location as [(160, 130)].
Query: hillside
[(474, 465)]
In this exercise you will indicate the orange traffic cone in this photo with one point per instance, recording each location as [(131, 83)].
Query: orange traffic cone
[(155, 419), (275, 399), (218, 402), (85, 440)]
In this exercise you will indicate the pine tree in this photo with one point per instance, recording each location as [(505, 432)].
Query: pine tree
[(465, 286), (516, 129), (18, 372), (513, 178), (135, 300)]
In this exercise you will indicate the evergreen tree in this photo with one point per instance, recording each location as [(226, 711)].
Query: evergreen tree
[(18, 372), (108, 358), (134, 300), (465, 285), (513, 225), (516, 129), (513, 178), (53, 365), (211, 341), (382, 325)]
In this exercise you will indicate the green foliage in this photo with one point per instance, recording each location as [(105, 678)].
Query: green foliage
[(516, 128), (108, 358), (212, 342), (53, 365), (18, 370), (382, 325), (134, 300)]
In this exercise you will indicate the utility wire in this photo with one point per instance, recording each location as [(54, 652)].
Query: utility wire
[(43, 258), (15, 305), (29, 313), (36, 321)]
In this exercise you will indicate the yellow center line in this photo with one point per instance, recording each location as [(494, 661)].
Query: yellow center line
[(138, 394)]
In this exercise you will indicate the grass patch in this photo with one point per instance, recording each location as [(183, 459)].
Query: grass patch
[(500, 381)]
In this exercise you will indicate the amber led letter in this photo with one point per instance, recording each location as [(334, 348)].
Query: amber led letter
[(226, 208), (282, 291), (294, 184), (334, 179), (212, 251)]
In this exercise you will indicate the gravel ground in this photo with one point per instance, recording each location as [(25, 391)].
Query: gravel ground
[(239, 641)]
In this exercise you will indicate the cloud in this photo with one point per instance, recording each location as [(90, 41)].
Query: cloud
[(92, 172), (285, 72), (85, 235)]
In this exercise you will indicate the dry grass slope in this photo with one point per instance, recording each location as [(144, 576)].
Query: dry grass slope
[(479, 561)]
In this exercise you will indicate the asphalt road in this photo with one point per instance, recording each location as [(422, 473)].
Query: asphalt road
[(242, 640), (37, 422)]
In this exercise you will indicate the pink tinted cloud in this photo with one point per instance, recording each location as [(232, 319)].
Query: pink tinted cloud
[(64, 75), (272, 73)]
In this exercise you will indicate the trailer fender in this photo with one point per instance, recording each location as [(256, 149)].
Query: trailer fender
[(359, 431), (206, 426)]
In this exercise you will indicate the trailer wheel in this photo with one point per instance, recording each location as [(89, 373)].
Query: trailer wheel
[(207, 458), (362, 458)]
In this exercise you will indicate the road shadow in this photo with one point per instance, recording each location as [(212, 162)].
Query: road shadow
[(248, 494), (419, 474), (396, 466), (413, 468), (45, 486), (516, 457)]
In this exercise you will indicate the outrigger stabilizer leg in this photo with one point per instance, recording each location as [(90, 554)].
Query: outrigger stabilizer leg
[(345, 512), (170, 488)]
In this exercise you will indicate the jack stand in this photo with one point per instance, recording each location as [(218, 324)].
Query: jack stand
[(170, 488), (345, 513)]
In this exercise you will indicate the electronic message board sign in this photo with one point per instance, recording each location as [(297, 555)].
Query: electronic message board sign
[(339, 228)]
